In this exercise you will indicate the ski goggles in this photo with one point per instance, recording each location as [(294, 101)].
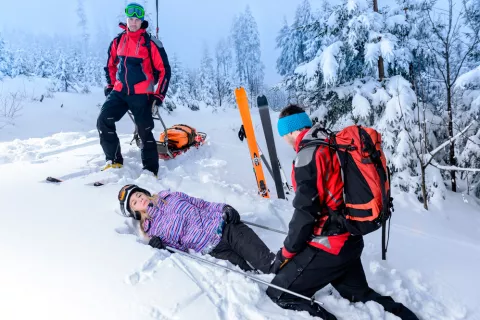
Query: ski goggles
[(135, 11), (123, 195)]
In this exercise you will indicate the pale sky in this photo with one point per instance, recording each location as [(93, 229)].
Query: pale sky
[(184, 24)]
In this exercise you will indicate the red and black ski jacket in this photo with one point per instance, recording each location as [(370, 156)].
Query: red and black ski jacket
[(318, 185), (129, 66)]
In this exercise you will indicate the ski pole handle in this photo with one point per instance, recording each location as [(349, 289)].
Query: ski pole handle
[(263, 227)]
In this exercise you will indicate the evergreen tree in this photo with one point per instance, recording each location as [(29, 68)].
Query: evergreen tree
[(296, 42), (62, 79), (246, 44), (4, 59), (223, 84), (206, 77), (177, 81)]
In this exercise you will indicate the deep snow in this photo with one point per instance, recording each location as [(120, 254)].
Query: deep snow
[(67, 253)]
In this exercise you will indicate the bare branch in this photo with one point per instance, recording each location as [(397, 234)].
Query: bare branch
[(9, 109), (435, 29), (439, 166), (440, 147), (439, 67)]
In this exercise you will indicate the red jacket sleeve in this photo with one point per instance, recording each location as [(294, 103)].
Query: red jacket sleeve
[(112, 61), (160, 62)]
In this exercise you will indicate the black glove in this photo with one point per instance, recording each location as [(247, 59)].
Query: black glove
[(241, 133), (230, 215), (107, 90), (158, 99), (156, 242), (278, 263)]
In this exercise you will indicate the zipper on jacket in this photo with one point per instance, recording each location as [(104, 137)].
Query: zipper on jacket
[(138, 46)]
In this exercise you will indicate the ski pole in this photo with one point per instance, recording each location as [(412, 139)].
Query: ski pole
[(312, 299), (263, 227)]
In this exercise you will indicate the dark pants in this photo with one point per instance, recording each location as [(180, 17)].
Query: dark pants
[(313, 269), (241, 246), (114, 108)]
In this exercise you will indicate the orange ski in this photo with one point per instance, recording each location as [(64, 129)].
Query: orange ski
[(242, 102)]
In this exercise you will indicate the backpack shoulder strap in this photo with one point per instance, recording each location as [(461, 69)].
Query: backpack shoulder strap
[(119, 37), (148, 44)]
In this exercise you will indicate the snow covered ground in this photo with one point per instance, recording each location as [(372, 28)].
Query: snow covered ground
[(67, 253)]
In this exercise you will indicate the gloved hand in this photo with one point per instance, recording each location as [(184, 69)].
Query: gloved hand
[(230, 215), (107, 90), (278, 263), (156, 242), (158, 99)]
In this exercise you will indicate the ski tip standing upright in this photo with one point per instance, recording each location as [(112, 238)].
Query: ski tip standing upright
[(136, 63)]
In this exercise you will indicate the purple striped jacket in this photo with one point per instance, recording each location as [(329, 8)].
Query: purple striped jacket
[(185, 222)]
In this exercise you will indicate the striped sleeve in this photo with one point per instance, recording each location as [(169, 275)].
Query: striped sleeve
[(200, 203)]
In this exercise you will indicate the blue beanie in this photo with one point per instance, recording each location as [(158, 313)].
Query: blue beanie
[(137, 5), (293, 123)]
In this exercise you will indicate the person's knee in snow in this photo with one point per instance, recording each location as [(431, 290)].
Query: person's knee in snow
[(318, 182)]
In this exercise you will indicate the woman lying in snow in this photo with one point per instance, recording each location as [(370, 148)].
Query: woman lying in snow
[(177, 220)]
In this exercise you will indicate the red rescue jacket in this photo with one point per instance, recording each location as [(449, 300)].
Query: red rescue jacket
[(318, 185), (129, 67)]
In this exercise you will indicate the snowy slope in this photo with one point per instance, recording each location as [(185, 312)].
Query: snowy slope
[(67, 253)]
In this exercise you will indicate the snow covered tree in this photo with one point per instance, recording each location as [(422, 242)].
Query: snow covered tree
[(223, 84), (19, 65), (277, 98), (469, 86), (62, 78), (343, 84), (82, 24), (246, 44), (178, 79), (193, 84), (206, 77), (4, 59), (296, 42), (454, 43)]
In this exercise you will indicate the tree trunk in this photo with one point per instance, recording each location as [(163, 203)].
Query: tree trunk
[(412, 77), (381, 70), (450, 125), (424, 189)]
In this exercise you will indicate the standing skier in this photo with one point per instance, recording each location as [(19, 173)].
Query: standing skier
[(310, 260), (136, 63)]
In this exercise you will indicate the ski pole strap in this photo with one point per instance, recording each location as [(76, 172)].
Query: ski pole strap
[(243, 274), (263, 227)]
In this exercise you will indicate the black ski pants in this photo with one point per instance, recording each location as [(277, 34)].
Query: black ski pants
[(312, 269), (241, 246), (114, 108)]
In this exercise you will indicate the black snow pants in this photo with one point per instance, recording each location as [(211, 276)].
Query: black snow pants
[(312, 269), (114, 108), (241, 246)]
